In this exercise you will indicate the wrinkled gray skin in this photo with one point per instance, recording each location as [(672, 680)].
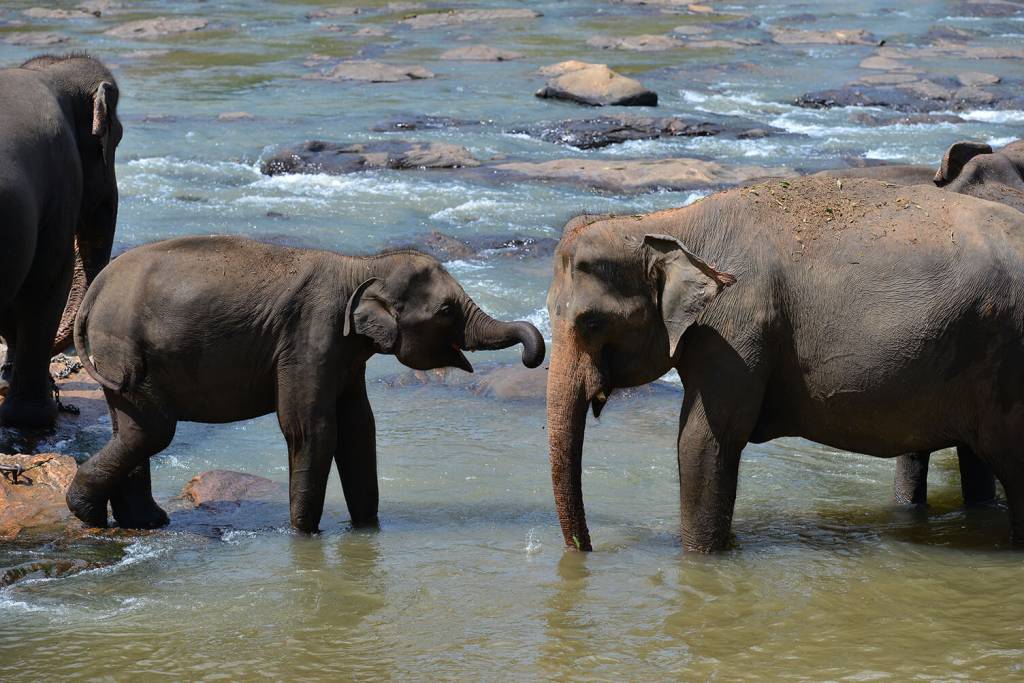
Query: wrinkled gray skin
[(970, 168), (58, 134), (219, 329), (876, 327)]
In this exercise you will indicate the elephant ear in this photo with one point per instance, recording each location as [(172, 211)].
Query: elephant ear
[(103, 102), (686, 284), (956, 157), (368, 314)]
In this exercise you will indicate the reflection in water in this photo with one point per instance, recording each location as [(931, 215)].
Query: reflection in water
[(569, 641)]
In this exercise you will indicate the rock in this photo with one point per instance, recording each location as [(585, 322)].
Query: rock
[(101, 7), (989, 8), (370, 32), (969, 78), (49, 569), (467, 16), (225, 486), (337, 158), (974, 96), (793, 36), (642, 43), (333, 12), (870, 96), (232, 116), (423, 122), (641, 175), (445, 247), (889, 78), (33, 38), (161, 26), (481, 53), (737, 44), (38, 499), (610, 130), (47, 13), (871, 119), (949, 33), (886, 64), (596, 85), (374, 72), (691, 30)]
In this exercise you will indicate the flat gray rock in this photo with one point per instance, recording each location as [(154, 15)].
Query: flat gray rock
[(335, 158)]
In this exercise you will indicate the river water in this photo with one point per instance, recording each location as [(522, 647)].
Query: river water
[(467, 577)]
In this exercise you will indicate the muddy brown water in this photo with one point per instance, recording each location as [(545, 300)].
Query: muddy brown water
[(467, 579)]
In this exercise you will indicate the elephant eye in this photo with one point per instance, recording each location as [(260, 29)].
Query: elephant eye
[(446, 309), (592, 322)]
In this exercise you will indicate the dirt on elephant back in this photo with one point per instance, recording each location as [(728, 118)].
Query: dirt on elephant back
[(817, 207)]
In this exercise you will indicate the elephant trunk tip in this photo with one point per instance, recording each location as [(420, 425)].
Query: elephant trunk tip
[(533, 344)]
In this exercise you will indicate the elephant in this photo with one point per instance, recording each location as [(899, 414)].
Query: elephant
[(970, 168), (219, 329), (59, 131), (873, 318)]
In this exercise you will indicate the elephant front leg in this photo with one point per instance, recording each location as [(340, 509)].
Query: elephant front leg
[(910, 486), (356, 453), (977, 482)]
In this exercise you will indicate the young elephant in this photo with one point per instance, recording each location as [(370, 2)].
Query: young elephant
[(218, 329), (873, 318)]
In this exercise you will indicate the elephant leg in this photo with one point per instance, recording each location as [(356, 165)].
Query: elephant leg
[(9, 336), (306, 414), (911, 482), (356, 452), (977, 482), (29, 401), (119, 473)]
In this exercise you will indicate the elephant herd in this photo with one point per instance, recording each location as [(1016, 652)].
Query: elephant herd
[(876, 310)]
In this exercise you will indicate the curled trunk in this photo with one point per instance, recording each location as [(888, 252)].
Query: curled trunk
[(568, 378), (65, 331), (485, 333)]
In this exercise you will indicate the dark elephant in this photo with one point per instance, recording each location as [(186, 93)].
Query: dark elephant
[(873, 318), (218, 329), (58, 192)]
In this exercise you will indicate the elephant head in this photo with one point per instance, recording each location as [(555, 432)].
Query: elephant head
[(620, 304), (89, 95), (974, 169), (412, 308)]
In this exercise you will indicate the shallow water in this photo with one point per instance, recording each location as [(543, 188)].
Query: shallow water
[(467, 578)]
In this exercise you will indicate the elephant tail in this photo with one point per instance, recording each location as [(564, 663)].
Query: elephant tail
[(82, 341)]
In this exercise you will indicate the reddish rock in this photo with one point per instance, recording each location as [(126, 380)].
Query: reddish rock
[(226, 486), (37, 499), (595, 85)]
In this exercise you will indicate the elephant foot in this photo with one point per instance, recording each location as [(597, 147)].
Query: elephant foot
[(140, 515), (28, 412), (369, 523), (91, 510)]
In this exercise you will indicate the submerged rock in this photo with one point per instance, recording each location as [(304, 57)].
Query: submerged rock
[(793, 36), (481, 53), (467, 16), (609, 130), (34, 38), (32, 493), (374, 72), (227, 486), (989, 8), (595, 85), (641, 43), (49, 13), (160, 26), (445, 247), (641, 175), (423, 122), (336, 158)]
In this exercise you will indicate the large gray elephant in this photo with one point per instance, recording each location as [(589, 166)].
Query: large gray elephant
[(218, 329), (873, 318), (58, 193)]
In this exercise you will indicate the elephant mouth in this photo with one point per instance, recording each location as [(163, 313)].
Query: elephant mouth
[(598, 401)]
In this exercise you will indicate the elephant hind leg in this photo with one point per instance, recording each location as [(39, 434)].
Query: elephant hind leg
[(977, 482), (911, 482), (119, 473)]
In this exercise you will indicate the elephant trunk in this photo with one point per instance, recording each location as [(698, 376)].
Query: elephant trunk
[(569, 384), (66, 329), (485, 333)]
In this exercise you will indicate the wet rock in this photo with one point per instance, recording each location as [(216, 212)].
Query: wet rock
[(899, 99), (871, 119), (48, 569), (160, 26), (232, 116), (101, 7), (34, 38), (424, 122), (609, 130), (333, 12), (949, 33), (225, 486), (737, 44), (880, 63), (467, 16), (370, 32), (481, 53), (890, 78), (37, 498), (445, 247), (641, 175), (793, 36), (49, 13), (989, 8), (691, 30), (642, 43), (975, 78), (595, 85), (336, 158), (374, 72)]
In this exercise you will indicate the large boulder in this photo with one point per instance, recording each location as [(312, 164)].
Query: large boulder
[(160, 26), (335, 158), (595, 85), (641, 175), (226, 486), (32, 491)]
